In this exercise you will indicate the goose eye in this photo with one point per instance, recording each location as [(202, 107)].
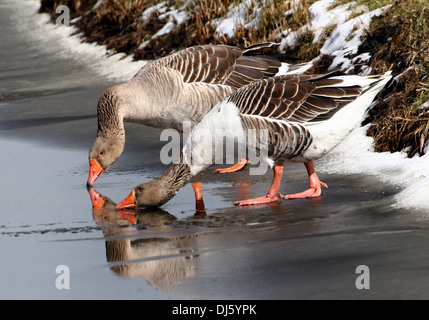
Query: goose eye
[(101, 153), (139, 189)]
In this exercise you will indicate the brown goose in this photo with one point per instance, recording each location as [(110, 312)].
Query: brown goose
[(295, 118), (184, 86)]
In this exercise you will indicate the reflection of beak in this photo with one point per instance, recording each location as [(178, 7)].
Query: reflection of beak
[(130, 215), (128, 202), (97, 199), (95, 171)]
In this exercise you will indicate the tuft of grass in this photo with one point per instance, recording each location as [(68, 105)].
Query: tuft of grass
[(202, 12), (400, 120)]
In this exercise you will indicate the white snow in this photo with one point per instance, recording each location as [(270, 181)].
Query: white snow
[(59, 40), (356, 155), (174, 18), (320, 19), (160, 7), (238, 15), (346, 38)]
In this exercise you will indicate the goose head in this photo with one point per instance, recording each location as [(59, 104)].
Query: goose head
[(159, 191), (103, 154), (148, 194), (110, 140)]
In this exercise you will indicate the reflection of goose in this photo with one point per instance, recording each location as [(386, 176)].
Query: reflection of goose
[(291, 118), (181, 87), (157, 260)]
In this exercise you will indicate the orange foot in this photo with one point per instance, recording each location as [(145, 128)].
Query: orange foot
[(199, 202), (259, 200), (236, 167), (272, 194), (315, 185), (314, 191)]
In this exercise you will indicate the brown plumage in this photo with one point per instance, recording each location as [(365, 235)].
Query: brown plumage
[(299, 98)]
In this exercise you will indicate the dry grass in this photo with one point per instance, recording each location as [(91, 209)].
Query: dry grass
[(117, 24), (400, 122), (202, 12)]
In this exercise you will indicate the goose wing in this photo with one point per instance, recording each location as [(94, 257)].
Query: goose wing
[(219, 64), (273, 111), (282, 139), (298, 98)]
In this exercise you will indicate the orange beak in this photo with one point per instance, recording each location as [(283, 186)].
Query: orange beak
[(95, 170), (128, 202), (97, 199)]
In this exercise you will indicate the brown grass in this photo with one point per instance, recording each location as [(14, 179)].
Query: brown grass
[(116, 24), (399, 122)]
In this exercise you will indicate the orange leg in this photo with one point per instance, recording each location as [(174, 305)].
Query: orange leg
[(199, 202), (315, 185), (273, 192), (236, 167)]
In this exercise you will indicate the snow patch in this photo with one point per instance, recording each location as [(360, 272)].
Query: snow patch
[(173, 16), (160, 7), (320, 19), (356, 155), (346, 38), (238, 15), (61, 40)]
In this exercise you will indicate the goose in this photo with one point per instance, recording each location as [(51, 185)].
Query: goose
[(183, 86), (291, 118)]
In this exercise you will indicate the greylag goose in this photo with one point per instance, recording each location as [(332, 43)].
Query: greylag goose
[(183, 86), (296, 118)]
